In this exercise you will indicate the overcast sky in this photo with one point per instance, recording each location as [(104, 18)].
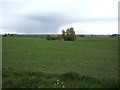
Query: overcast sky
[(52, 16)]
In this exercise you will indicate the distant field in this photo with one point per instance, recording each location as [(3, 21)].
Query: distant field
[(92, 56)]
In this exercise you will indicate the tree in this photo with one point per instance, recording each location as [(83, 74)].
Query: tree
[(81, 35), (63, 34), (69, 35), (11, 35), (114, 35), (5, 35)]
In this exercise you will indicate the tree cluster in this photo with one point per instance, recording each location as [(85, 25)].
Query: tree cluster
[(115, 35), (69, 35)]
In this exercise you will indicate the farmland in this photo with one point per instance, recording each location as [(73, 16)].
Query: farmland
[(44, 62)]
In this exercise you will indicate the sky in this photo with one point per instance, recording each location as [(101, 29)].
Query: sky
[(53, 16)]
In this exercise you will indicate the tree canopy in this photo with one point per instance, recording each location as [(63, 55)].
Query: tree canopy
[(69, 35)]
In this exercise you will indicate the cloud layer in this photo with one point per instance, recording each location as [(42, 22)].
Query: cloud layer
[(51, 16)]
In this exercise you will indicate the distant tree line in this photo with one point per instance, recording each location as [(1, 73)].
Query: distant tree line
[(115, 35), (11, 35), (81, 35)]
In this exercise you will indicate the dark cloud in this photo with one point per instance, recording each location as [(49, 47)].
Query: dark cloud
[(39, 23), (36, 23)]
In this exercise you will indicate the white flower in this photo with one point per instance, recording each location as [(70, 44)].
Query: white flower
[(57, 80), (63, 86)]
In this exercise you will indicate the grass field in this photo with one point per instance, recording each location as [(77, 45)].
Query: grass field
[(93, 57)]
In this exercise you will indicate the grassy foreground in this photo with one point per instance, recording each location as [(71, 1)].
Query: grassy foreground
[(29, 79), (35, 62)]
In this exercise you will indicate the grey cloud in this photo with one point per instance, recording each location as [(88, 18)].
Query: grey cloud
[(37, 24), (40, 23), (47, 17), (46, 22)]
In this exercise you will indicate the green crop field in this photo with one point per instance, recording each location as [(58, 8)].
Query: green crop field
[(90, 57)]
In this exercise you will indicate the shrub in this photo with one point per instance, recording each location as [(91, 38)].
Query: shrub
[(59, 37), (51, 37)]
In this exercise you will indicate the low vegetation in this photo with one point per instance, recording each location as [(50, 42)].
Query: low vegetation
[(28, 79), (54, 37)]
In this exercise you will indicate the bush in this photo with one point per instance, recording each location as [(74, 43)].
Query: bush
[(59, 37), (51, 37), (54, 37)]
